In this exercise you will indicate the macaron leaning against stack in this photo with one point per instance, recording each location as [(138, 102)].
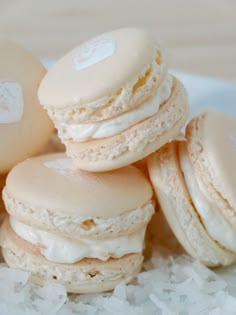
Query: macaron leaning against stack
[(25, 127), (195, 182), (116, 103), (84, 230)]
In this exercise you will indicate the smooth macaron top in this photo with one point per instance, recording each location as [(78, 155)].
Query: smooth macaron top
[(24, 125), (50, 182), (212, 149), (96, 71)]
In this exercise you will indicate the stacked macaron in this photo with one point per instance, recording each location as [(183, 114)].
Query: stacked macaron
[(113, 103), (113, 100), (85, 230), (195, 182)]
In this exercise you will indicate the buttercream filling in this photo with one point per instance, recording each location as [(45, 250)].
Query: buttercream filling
[(216, 225), (115, 125), (59, 249)]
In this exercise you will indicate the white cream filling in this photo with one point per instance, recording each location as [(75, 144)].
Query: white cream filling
[(112, 126), (215, 223), (60, 249)]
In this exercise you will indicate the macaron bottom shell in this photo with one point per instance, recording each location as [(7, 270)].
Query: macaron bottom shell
[(86, 276), (136, 142)]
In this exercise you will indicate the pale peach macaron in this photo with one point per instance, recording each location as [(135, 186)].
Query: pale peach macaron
[(25, 127), (195, 182), (113, 101), (84, 230)]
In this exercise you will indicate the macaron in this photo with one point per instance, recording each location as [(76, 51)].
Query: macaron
[(84, 230), (25, 127), (117, 103), (195, 182)]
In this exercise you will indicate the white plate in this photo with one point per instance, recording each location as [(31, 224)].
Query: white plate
[(204, 93)]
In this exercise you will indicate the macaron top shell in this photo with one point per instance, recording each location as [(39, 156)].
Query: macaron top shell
[(212, 149), (98, 68), (50, 182), (24, 125)]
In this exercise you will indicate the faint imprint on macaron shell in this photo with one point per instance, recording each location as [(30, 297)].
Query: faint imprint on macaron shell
[(92, 52), (61, 166), (11, 102)]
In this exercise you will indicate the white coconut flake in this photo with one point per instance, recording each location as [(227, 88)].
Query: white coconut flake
[(50, 298), (171, 283), (13, 275), (216, 311), (120, 292), (160, 305)]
